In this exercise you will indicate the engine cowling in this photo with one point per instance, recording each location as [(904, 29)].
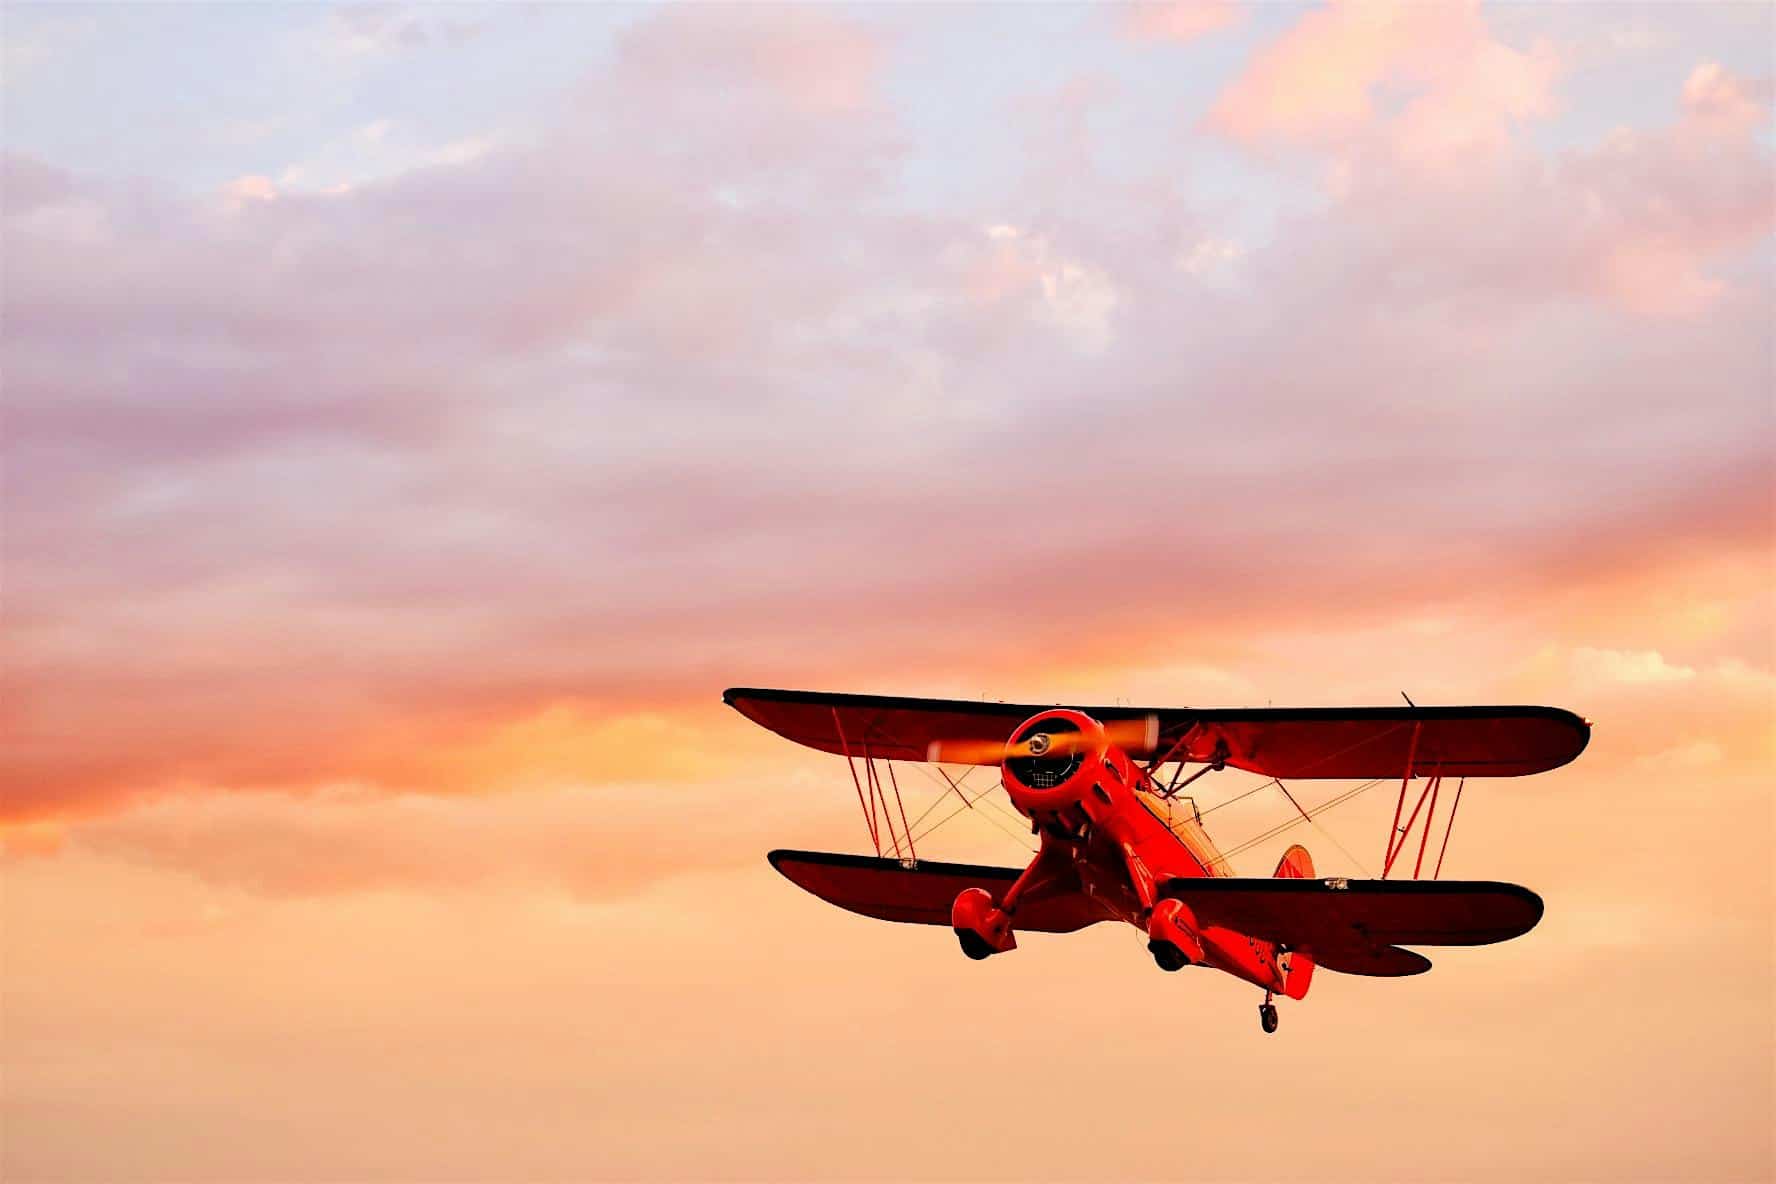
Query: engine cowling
[(1066, 773)]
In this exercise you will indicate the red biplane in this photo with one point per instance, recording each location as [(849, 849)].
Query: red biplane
[(1118, 844)]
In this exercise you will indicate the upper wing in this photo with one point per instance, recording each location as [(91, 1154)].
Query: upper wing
[(922, 894), (1291, 742), (1355, 926)]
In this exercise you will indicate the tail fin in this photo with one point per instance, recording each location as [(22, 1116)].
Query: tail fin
[(1297, 864)]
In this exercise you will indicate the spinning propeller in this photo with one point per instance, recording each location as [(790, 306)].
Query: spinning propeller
[(1140, 735)]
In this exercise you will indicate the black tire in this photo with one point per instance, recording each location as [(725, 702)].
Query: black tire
[(1167, 956), (974, 945), (1267, 1016)]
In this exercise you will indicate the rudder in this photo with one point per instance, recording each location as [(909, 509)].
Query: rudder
[(1296, 864)]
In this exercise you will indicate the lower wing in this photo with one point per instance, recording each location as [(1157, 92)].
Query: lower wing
[(922, 894), (1357, 926)]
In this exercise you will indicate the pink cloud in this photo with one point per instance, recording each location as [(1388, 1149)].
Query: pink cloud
[(323, 490), (1178, 20), (1667, 201), (1715, 96), (808, 56), (1637, 221)]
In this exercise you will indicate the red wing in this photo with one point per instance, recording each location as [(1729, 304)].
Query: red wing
[(922, 895), (1353, 742), (1353, 926), (1287, 742), (875, 725)]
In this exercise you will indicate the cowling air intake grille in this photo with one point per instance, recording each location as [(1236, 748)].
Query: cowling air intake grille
[(1044, 772)]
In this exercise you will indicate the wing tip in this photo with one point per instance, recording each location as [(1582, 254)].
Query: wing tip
[(1578, 725), (1582, 726), (1537, 906)]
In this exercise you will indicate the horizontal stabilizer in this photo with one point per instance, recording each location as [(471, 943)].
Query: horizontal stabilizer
[(922, 894), (1286, 742), (1380, 962), (1354, 926)]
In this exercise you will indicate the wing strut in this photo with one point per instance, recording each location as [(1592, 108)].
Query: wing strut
[(869, 810), (1444, 850), (1400, 836), (878, 795), (1394, 827), (894, 783), (874, 779)]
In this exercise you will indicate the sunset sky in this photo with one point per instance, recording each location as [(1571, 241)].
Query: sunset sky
[(415, 416)]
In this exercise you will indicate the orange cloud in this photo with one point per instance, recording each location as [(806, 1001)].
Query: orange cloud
[(582, 842), (88, 739), (1429, 77)]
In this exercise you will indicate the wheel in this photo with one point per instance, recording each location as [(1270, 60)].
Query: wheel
[(1267, 1016), (974, 945), (1167, 956)]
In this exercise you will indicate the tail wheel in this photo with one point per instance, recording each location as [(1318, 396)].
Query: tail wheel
[(1267, 1016)]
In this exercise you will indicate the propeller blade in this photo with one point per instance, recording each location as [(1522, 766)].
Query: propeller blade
[(1136, 736), (1131, 735), (965, 752)]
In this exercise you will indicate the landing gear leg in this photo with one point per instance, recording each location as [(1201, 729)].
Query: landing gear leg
[(1267, 1014), (983, 928)]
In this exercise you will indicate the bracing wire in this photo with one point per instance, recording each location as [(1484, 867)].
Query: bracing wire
[(945, 786), (1312, 814), (968, 804), (948, 788), (992, 809)]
